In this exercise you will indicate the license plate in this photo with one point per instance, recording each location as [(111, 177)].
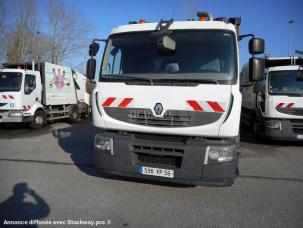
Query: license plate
[(299, 136), (157, 172)]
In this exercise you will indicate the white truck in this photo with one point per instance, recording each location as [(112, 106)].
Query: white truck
[(167, 100), (274, 105), (35, 93)]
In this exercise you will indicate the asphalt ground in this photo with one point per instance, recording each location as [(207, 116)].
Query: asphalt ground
[(47, 175)]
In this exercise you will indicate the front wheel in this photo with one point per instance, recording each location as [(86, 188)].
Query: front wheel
[(39, 120), (73, 114)]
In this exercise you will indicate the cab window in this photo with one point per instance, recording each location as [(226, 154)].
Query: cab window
[(29, 84)]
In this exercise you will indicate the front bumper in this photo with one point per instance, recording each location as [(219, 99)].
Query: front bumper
[(7, 117), (289, 130), (184, 155)]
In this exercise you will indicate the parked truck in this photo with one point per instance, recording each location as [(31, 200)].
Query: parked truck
[(273, 106), (35, 93), (167, 100)]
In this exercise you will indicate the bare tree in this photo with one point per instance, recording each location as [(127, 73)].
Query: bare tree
[(40, 48), (2, 31), (23, 31), (68, 31)]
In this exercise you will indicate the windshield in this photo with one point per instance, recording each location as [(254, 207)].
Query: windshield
[(10, 81), (207, 55), (285, 82)]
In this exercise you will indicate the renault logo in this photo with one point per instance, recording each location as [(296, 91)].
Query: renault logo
[(158, 108)]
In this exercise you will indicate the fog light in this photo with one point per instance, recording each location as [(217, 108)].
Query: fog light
[(219, 154), (105, 144), (273, 124)]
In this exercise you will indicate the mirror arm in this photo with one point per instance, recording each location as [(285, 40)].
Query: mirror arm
[(245, 35), (102, 40)]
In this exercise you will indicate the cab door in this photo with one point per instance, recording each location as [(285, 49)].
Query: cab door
[(31, 93)]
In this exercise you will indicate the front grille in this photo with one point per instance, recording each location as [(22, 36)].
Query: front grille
[(291, 111), (157, 149), (298, 130), (159, 160), (168, 120), (297, 126), (161, 138)]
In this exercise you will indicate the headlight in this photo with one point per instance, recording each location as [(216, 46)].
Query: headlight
[(105, 144), (219, 154), (15, 114), (273, 124)]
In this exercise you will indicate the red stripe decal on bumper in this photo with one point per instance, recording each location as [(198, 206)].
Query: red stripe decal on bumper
[(108, 101), (125, 102), (215, 106), (195, 105)]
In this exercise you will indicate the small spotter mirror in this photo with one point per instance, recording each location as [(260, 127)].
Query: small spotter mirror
[(166, 45), (256, 46), (93, 49)]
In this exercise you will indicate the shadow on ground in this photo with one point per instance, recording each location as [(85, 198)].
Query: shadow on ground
[(18, 207), (78, 141)]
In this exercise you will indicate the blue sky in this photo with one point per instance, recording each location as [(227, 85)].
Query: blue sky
[(267, 19)]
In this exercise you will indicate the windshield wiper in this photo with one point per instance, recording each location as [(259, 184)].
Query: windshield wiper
[(124, 76), (189, 80), (288, 94)]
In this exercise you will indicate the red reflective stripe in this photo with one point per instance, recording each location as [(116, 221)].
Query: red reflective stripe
[(125, 102), (215, 106), (26, 107), (195, 105), (290, 105), (108, 101), (5, 97), (280, 105), (11, 97)]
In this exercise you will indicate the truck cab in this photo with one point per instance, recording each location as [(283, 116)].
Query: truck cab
[(20, 93), (167, 101), (278, 99), (37, 93)]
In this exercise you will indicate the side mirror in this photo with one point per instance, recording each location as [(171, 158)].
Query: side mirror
[(166, 45), (91, 68), (93, 49), (256, 46), (256, 69)]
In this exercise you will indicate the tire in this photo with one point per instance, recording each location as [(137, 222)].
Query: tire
[(39, 120), (73, 114)]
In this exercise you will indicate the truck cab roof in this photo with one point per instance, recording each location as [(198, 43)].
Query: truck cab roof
[(176, 25), (283, 61)]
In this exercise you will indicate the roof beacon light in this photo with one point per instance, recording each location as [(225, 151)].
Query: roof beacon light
[(205, 16), (142, 21)]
